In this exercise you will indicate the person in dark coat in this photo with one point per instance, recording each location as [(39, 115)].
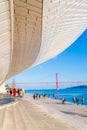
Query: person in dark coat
[(77, 100)]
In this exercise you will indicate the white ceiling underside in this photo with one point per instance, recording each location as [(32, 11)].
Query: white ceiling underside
[(33, 31)]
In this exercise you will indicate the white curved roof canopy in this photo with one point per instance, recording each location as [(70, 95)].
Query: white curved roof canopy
[(33, 31)]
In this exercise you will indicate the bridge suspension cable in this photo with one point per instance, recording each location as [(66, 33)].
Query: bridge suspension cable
[(53, 82)]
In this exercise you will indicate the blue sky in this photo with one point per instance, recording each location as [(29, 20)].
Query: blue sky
[(71, 65)]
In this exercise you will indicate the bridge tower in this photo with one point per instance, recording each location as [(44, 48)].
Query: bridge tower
[(56, 81)]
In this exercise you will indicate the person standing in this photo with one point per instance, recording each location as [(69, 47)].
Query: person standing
[(77, 100), (14, 92), (10, 91), (21, 92), (34, 96), (18, 92), (82, 100)]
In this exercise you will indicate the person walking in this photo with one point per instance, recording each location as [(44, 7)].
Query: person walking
[(63, 100), (73, 99)]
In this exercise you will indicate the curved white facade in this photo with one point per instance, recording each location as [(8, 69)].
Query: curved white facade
[(33, 31)]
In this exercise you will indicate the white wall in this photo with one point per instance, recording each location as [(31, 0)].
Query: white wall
[(2, 88)]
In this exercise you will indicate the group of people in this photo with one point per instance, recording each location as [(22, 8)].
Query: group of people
[(16, 92), (74, 100), (36, 96), (77, 100)]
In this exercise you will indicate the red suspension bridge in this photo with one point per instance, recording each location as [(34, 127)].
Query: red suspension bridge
[(56, 83)]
